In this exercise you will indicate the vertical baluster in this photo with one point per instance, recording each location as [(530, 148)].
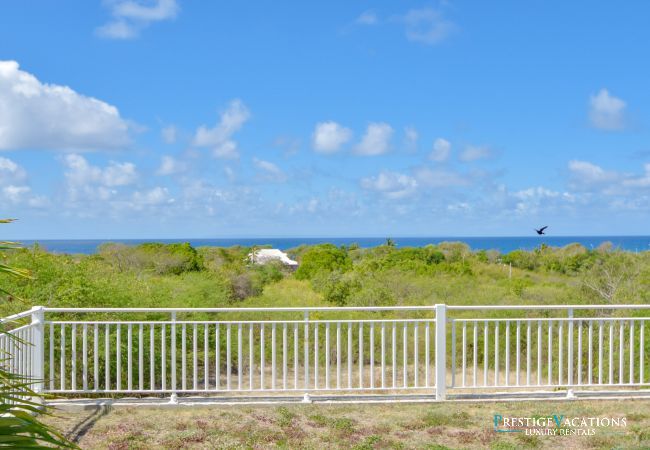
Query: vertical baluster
[(173, 350), (284, 356), (475, 349), (518, 342), (570, 348), (528, 353), (539, 352), (129, 357), (611, 352), (383, 354), (453, 353), (360, 354), (371, 350), (427, 357), (405, 353), (141, 357), (621, 350), (327, 355), (338, 355), (73, 370), (561, 352), (96, 357), (315, 355), (273, 356), (195, 356), (600, 352), (550, 353), (184, 357), (507, 344), (631, 351), (251, 357), (486, 343), (262, 356), (295, 355), (206, 357), (394, 353), (163, 358), (217, 356), (228, 355), (306, 350), (107, 358), (4, 340), (84, 356), (590, 359), (118, 356), (152, 357), (349, 355), (496, 354), (641, 350), (240, 358), (579, 352)]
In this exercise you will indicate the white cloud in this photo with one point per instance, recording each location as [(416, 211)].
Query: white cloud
[(220, 136), (441, 150), (13, 186), (376, 140), (427, 26), (35, 115), (131, 16), (440, 178), (329, 136), (475, 153), (391, 184), (170, 166), (169, 134), (368, 18), (642, 181), (87, 182), (156, 196), (269, 171), (586, 173), (411, 137), (10, 172), (606, 112)]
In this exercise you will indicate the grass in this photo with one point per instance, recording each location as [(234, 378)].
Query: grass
[(368, 426)]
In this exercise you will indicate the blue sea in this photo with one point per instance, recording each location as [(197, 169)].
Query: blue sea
[(503, 244)]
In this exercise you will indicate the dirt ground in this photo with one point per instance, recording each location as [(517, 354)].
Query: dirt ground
[(362, 426)]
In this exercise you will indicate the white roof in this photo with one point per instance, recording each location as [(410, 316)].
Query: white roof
[(264, 255)]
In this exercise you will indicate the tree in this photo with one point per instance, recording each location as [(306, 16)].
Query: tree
[(19, 424), (612, 276), (322, 258)]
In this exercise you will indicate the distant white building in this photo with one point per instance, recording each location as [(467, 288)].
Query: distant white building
[(265, 255)]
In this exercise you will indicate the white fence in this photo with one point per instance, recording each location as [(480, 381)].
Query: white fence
[(392, 350)]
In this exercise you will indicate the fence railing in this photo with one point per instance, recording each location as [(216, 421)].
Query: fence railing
[(260, 351)]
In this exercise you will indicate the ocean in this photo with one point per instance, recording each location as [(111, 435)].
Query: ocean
[(503, 244)]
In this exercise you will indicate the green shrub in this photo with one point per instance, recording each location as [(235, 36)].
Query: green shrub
[(322, 258)]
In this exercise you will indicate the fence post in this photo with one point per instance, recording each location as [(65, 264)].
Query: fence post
[(37, 374), (441, 351)]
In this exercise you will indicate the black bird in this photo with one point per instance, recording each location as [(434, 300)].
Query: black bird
[(541, 230)]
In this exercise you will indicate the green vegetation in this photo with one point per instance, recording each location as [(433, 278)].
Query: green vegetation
[(158, 275)]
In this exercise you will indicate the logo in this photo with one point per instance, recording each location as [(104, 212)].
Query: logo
[(557, 425)]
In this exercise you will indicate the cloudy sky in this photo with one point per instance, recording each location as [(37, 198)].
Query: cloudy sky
[(171, 118)]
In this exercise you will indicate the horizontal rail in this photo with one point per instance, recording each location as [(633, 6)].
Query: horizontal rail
[(540, 307), (244, 310), (235, 322)]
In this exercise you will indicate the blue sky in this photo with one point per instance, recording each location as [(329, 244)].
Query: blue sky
[(171, 118)]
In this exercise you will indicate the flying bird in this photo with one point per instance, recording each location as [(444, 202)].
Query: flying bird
[(541, 230)]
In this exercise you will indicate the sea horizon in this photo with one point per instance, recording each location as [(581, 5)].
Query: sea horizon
[(504, 244)]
